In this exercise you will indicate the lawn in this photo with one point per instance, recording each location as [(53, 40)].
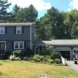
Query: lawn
[(23, 69)]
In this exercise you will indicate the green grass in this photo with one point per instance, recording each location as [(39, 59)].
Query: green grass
[(23, 69)]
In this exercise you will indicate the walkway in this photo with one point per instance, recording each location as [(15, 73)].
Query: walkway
[(72, 65)]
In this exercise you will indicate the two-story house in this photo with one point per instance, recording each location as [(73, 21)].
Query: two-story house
[(16, 36)]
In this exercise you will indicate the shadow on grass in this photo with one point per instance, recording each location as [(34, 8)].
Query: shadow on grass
[(1, 73), (0, 64)]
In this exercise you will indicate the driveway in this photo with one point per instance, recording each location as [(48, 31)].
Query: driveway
[(72, 65)]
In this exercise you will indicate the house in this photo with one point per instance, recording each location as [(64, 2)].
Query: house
[(15, 36), (65, 46)]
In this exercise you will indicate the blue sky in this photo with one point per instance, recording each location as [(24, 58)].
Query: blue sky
[(43, 5)]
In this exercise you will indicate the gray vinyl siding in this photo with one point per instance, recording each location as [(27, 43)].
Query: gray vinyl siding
[(27, 44), (10, 45), (10, 35)]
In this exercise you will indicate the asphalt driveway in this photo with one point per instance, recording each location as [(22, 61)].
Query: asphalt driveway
[(72, 65)]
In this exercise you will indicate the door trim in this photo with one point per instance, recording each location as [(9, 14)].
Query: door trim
[(4, 42)]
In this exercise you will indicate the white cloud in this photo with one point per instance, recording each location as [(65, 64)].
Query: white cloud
[(73, 5), (40, 5)]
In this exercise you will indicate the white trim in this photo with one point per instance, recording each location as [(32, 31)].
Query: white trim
[(20, 30), (64, 49), (37, 50), (5, 43), (31, 37), (18, 44)]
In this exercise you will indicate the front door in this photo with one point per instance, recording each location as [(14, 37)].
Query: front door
[(2, 47)]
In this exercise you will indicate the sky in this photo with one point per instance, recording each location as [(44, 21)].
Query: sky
[(43, 5)]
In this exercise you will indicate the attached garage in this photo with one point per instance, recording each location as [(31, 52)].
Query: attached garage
[(65, 47)]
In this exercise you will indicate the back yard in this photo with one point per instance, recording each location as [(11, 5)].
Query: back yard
[(23, 69)]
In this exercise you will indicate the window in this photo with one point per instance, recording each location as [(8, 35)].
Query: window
[(18, 30), (2, 30), (18, 45)]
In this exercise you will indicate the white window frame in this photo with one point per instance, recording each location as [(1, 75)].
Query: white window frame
[(18, 44), (18, 28), (3, 28)]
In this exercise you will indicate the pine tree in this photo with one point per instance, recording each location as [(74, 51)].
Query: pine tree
[(4, 14)]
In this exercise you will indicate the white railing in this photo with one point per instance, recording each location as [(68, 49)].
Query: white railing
[(63, 60)]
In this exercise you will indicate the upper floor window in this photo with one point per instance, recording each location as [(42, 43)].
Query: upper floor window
[(19, 30), (2, 30)]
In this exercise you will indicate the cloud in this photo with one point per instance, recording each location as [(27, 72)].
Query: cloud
[(73, 5), (40, 5)]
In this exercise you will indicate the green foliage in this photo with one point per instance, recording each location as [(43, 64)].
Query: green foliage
[(25, 58), (17, 58), (17, 53), (4, 14), (12, 57), (28, 52), (7, 55), (48, 50), (50, 61), (38, 58), (55, 55), (28, 14), (57, 61)]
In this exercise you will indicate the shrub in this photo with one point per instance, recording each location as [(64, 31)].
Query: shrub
[(50, 61), (17, 53), (57, 61), (17, 58), (28, 52), (12, 57), (37, 60), (25, 58), (38, 57), (48, 50), (55, 55), (7, 55)]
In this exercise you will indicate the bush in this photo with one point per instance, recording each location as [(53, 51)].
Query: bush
[(38, 58), (12, 57), (17, 53), (7, 55), (28, 52), (17, 58), (50, 61), (57, 61), (25, 58), (48, 50), (55, 55)]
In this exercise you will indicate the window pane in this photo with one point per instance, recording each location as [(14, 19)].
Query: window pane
[(2, 30), (18, 30), (21, 45), (16, 45)]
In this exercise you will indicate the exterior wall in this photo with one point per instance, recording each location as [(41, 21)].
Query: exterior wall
[(10, 45), (10, 35), (70, 47)]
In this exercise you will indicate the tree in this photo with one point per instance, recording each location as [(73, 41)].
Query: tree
[(28, 14), (4, 15), (71, 22), (15, 17)]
